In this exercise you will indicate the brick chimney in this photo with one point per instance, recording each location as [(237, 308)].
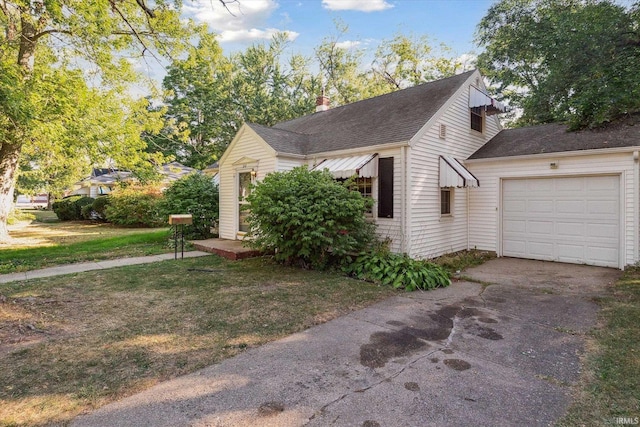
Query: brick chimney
[(322, 103)]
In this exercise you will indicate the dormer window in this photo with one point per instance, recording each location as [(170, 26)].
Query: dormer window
[(481, 105), (477, 118)]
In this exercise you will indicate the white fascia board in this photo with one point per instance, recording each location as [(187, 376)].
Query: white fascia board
[(592, 152), (245, 128)]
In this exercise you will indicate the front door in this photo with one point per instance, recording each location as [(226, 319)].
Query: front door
[(244, 189)]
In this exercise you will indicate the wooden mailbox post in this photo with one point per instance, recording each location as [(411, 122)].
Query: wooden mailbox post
[(178, 221)]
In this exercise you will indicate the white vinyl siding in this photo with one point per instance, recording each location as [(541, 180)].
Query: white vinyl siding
[(391, 228), (248, 145), (433, 235), (287, 163), (485, 220)]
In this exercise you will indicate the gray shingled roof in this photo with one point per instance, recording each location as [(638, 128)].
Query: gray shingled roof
[(390, 118), (555, 138)]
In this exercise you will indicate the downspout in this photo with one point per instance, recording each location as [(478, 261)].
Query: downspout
[(408, 200), (468, 220), (636, 206), (403, 223)]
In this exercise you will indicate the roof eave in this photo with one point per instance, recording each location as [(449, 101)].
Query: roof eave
[(555, 154)]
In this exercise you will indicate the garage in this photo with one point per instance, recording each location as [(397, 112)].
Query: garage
[(565, 219)]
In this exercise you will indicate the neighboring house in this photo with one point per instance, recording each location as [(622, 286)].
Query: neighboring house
[(444, 176), (100, 182), (406, 148), (103, 180)]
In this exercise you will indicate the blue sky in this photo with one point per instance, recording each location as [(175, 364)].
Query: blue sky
[(452, 22)]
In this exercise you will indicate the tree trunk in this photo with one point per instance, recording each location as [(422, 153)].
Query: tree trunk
[(9, 154)]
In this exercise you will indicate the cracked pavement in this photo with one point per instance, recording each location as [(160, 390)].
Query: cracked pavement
[(499, 354)]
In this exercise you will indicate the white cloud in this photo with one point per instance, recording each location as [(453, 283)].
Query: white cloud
[(359, 5), (254, 34), (244, 21), (348, 44)]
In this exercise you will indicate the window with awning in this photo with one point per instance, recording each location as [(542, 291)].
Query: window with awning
[(454, 174), (346, 167), (479, 99)]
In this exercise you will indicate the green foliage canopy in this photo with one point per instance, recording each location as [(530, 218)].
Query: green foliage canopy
[(564, 60), (195, 194), (307, 217)]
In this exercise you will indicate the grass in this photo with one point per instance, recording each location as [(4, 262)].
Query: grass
[(74, 343), (46, 242), (610, 387), (149, 242)]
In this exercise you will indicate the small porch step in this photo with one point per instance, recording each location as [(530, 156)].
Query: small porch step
[(229, 249)]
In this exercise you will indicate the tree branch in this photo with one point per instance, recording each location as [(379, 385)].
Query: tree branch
[(150, 12)]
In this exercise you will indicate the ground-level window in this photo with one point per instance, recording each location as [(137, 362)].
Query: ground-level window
[(477, 114), (445, 201), (365, 186), (244, 189)]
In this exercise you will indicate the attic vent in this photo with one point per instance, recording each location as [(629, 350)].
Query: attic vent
[(443, 131)]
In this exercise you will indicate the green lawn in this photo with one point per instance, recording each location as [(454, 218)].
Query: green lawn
[(610, 388), (74, 343), (147, 242)]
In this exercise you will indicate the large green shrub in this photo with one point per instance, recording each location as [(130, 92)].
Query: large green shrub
[(135, 206), (70, 208), (197, 195), (399, 271), (308, 217)]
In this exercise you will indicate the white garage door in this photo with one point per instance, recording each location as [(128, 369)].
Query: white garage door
[(573, 220)]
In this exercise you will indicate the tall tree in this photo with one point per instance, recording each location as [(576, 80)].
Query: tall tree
[(41, 36), (564, 60), (405, 61), (200, 116), (209, 96)]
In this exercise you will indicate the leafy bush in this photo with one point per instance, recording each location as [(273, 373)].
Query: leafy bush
[(307, 217), (399, 271), (197, 195), (135, 206), (99, 207), (70, 208)]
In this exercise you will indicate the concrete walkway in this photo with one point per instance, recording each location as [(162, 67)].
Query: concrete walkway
[(94, 265), (504, 354)]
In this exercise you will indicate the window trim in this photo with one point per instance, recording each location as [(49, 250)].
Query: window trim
[(479, 113), (449, 191)]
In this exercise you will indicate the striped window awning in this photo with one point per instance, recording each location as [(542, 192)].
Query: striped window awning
[(346, 167), (454, 174), (478, 98)]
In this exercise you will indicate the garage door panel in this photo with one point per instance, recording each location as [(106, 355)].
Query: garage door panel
[(515, 226), (602, 207), (540, 249), (599, 230), (604, 183), (570, 229), (571, 219), (519, 206), (603, 256), (517, 248), (540, 228), (571, 207), (540, 206), (571, 186)]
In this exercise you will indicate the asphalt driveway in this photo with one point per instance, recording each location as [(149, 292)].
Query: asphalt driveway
[(501, 351)]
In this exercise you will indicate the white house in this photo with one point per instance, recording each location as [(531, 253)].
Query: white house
[(445, 177)]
